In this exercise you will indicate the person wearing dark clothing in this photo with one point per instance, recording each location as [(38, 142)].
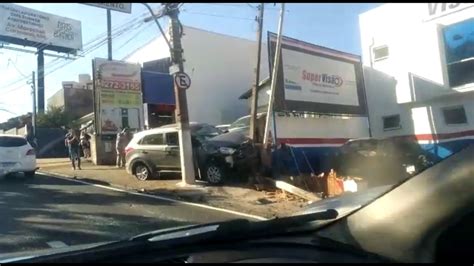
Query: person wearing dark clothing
[(73, 144), (121, 143)]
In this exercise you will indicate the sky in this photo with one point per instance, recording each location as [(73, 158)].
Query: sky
[(333, 25)]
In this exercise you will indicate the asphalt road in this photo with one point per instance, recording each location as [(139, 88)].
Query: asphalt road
[(45, 212)]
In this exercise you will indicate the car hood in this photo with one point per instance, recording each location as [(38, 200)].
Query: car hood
[(348, 202), (233, 138)]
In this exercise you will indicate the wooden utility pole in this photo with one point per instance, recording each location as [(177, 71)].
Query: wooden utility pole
[(182, 117), (276, 62), (253, 107)]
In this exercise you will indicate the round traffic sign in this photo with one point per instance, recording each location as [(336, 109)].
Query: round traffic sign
[(182, 80)]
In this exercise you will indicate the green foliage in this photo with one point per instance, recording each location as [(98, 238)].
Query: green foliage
[(55, 117)]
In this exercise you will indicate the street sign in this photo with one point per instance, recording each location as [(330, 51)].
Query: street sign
[(120, 7), (174, 69), (182, 80)]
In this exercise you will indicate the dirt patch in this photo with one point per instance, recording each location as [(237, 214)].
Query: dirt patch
[(266, 203)]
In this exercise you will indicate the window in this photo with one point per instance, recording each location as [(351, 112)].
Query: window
[(12, 142), (459, 51), (242, 122), (391, 122), (454, 115), (155, 139), (172, 138), (380, 52)]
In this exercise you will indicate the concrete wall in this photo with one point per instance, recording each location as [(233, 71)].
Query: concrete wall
[(77, 102), (57, 100), (382, 101), (414, 40), (221, 68)]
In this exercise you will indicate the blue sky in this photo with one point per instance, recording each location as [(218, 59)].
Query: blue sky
[(332, 25)]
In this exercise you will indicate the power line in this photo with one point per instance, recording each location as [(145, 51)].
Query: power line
[(214, 15)]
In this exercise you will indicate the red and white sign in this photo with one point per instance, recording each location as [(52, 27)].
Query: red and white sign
[(311, 78)]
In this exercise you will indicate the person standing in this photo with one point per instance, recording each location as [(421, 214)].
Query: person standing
[(120, 144), (73, 143), (85, 144)]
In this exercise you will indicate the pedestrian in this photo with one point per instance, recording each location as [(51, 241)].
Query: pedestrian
[(85, 144), (120, 144), (73, 144)]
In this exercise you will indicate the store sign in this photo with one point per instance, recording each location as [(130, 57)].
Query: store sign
[(312, 78), (437, 10), (20, 24), (120, 7), (118, 95)]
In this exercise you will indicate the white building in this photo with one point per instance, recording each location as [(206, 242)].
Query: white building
[(419, 72), (221, 68)]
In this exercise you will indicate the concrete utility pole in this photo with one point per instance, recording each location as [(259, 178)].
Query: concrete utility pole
[(182, 117), (41, 81), (276, 63), (253, 108), (109, 34), (33, 93)]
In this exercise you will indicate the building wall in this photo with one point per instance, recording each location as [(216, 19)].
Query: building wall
[(382, 101), (415, 45), (77, 102), (221, 68), (57, 100)]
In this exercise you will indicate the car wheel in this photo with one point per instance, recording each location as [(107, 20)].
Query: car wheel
[(214, 174), (30, 174), (141, 171)]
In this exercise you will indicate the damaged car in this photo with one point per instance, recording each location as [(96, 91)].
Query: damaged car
[(217, 156)]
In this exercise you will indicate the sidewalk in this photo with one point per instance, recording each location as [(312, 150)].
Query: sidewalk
[(231, 197)]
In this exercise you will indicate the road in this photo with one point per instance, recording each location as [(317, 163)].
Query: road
[(45, 212)]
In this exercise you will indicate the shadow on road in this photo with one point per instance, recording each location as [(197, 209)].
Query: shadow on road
[(39, 210)]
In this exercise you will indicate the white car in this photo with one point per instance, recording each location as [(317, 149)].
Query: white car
[(16, 155)]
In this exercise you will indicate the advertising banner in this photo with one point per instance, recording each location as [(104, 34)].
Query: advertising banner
[(118, 96), (26, 26), (317, 79), (120, 7)]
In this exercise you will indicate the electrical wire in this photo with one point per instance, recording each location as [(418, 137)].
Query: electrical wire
[(214, 15)]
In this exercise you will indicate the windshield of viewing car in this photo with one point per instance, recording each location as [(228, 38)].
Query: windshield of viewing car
[(346, 109)]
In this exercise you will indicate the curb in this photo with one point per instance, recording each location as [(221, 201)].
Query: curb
[(129, 191)]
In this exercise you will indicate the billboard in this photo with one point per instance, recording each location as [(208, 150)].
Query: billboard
[(29, 27), (120, 7), (317, 79), (117, 96)]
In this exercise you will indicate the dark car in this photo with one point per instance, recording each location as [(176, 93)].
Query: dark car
[(216, 155), (226, 155), (381, 161)]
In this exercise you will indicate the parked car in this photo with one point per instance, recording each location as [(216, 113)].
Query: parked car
[(16, 155), (381, 161), (243, 124), (215, 155)]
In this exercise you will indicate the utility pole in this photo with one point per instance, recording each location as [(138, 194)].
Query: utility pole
[(40, 81), (253, 107), (181, 113), (109, 34), (33, 93), (276, 63)]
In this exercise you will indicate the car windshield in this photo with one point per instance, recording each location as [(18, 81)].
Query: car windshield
[(242, 122), (109, 113)]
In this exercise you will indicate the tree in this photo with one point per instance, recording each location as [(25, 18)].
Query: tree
[(55, 117)]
